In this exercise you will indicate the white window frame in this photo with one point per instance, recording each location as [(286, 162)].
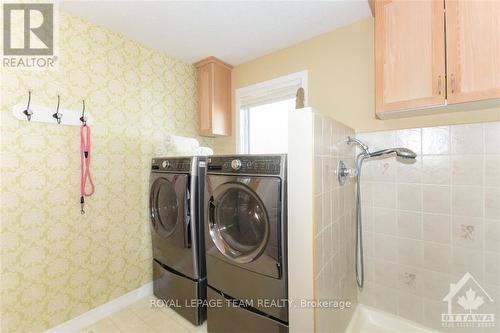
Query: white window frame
[(241, 118)]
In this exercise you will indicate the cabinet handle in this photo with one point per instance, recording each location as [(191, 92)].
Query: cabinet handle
[(452, 83), (439, 84)]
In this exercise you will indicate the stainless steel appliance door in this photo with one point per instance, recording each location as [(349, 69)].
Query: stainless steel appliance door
[(243, 226), (171, 224)]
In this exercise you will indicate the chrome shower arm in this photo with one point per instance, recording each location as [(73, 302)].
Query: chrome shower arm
[(349, 140)]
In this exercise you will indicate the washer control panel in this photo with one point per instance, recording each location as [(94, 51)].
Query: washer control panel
[(171, 164), (247, 164)]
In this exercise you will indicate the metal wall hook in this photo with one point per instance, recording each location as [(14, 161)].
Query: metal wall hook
[(58, 115), (83, 119), (28, 112)]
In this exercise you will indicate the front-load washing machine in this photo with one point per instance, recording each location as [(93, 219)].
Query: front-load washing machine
[(245, 241), (179, 273)]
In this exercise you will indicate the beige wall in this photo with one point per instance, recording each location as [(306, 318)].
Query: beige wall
[(341, 81)]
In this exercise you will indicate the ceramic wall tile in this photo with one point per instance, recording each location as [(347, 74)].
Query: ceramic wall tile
[(467, 139), (436, 228), (467, 232), (385, 221), (491, 267), (410, 252), (492, 170), (437, 257), (492, 235), (384, 195), (410, 138), (335, 223), (409, 224), (441, 215), (467, 201), (436, 199), (468, 260), (492, 203), (409, 197), (492, 138), (411, 307), (409, 172), (386, 247), (435, 140), (464, 170), (436, 169)]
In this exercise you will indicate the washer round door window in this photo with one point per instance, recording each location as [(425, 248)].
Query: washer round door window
[(164, 207), (238, 222)]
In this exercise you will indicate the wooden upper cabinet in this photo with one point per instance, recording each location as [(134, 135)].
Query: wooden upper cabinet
[(473, 50), (214, 97), (409, 55)]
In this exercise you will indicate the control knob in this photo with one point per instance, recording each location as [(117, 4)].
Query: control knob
[(166, 164), (236, 164)]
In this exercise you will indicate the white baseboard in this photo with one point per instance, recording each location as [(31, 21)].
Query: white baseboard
[(90, 317)]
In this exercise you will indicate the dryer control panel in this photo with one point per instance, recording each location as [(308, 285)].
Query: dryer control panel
[(171, 164), (247, 164)]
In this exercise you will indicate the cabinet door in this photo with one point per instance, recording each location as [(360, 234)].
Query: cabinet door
[(409, 54), (473, 50), (205, 99), (221, 113), (214, 97)]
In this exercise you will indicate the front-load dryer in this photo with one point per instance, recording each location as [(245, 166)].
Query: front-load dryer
[(245, 240), (179, 273)]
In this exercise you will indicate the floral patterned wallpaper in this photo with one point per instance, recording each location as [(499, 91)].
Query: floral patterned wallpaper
[(57, 263)]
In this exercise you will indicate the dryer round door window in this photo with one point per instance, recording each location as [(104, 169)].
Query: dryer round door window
[(164, 207), (238, 222)]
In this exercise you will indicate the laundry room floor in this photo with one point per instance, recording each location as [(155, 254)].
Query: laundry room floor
[(141, 317)]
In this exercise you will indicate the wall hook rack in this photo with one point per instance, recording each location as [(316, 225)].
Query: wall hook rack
[(58, 115), (83, 118), (28, 112), (33, 112)]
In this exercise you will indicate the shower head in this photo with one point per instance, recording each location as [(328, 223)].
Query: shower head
[(403, 153), (406, 153)]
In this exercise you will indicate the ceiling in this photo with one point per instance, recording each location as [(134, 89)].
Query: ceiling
[(234, 31)]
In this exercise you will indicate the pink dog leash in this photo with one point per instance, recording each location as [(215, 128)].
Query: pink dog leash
[(85, 176)]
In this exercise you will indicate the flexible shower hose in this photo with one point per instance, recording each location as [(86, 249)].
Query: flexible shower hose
[(360, 277)]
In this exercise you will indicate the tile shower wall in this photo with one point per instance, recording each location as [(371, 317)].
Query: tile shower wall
[(334, 223), (428, 223), (56, 263)]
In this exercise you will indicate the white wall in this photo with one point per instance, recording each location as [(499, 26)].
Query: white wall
[(300, 219)]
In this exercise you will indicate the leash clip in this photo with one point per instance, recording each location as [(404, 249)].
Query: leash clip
[(82, 205)]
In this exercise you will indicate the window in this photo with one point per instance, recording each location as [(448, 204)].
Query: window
[(267, 127), (262, 114)]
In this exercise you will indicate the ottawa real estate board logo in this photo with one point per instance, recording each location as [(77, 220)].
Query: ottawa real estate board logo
[(28, 35), (472, 301)]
